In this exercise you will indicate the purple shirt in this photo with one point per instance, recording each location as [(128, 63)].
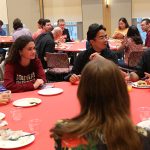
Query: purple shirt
[(21, 31)]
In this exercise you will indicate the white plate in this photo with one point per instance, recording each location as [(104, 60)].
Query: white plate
[(27, 102), (135, 84), (144, 124), (50, 91), (70, 42), (7, 144), (2, 115), (81, 49)]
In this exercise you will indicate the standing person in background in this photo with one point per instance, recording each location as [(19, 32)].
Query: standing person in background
[(19, 30), (2, 32), (145, 25), (122, 29), (66, 35), (103, 122), (23, 70)]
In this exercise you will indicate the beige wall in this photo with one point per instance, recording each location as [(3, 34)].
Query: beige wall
[(67, 9), (140, 8), (120, 8), (3, 11), (27, 10), (92, 13)]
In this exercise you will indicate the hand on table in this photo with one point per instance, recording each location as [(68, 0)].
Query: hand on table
[(95, 56), (147, 76), (38, 83), (74, 78), (118, 36)]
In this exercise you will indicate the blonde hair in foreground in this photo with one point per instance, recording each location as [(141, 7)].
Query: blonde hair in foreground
[(105, 105)]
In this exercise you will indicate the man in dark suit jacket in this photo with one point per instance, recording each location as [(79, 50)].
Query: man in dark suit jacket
[(61, 24), (46, 43)]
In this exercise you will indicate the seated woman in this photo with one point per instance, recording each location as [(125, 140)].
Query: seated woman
[(132, 42), (104, 120), (122, 29), (23, 70)]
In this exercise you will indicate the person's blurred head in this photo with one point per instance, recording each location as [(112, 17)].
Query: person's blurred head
[(97, 37), (61, 23), (123, 23), (100, 79), (134, 33), (16, 50), (47, 25), (57, 33), (145, 24), (17, 24), (1, 23), (40, 23)]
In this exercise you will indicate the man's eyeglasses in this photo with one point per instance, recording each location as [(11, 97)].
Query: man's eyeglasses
[(105, 37)]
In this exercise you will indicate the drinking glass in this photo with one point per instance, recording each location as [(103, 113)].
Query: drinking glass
[(34, 125), (144, 113), (16, 113)]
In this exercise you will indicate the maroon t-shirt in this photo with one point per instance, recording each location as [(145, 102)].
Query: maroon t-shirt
[(18, 78)]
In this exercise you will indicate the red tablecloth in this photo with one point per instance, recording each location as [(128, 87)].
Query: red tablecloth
[(81, 46), (6, 39), (64, 105)]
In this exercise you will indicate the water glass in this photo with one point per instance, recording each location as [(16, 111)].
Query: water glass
[(16, 113), (144, 113), (34, 125)]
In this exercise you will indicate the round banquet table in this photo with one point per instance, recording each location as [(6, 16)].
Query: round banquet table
[(5, 41), (53, 108), (75, 47)]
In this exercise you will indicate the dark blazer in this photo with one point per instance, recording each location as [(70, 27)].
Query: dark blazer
[(44, 43)]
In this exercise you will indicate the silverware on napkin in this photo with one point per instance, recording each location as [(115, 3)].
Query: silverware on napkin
[(16, 138)]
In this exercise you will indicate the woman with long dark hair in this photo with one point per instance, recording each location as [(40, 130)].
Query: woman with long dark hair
[(23, 70), (104, 120), (132, 42)]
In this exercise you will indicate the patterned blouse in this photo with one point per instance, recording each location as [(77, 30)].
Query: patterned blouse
[(129, 47), (88, 144)]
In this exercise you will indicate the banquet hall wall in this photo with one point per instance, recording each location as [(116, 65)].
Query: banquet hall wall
[(86, 11)]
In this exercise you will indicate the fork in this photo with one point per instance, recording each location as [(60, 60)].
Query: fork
[(15, 139), (33, 103)]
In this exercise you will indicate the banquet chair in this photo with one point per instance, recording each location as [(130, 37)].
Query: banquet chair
[(134, 58), (57, 66)]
